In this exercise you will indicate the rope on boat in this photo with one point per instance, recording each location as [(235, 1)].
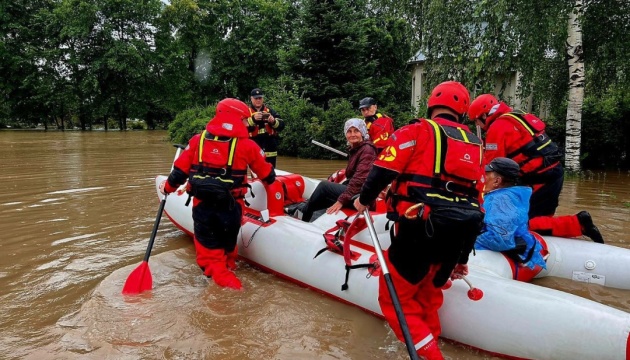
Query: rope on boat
[(246, 245)]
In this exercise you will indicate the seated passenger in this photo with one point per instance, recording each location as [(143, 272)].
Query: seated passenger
[(361, 156), (506, 221)]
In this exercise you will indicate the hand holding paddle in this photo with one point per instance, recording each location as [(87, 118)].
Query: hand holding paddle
[(141, 279)]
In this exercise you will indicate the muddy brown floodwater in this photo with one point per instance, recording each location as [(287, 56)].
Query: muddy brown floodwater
[(75, 219)]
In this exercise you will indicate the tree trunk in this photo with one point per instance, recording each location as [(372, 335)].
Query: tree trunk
[(576, 88)]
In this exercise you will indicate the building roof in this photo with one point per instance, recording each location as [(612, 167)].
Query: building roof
[(417, 58)]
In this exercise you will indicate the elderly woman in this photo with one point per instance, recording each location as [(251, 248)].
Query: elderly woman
[(361, 156)]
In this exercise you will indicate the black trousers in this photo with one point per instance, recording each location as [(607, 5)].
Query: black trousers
[(324, 196), (545, 200), (418, 244), (271, 160), (217, 227)]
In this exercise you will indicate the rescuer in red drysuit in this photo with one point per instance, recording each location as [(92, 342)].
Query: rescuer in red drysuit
[(434, 164), (215, 165)]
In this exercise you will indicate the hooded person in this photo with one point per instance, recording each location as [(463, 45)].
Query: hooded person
[(361, 155), (215, 165), (506, 205)]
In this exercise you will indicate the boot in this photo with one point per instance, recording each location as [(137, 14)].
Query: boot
[(231, 258), (224, 277), (588, 228), (213, 264)]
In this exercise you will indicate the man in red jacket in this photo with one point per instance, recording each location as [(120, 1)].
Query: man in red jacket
[(379, 126), (434, 164), (215, 164), (522, 138)]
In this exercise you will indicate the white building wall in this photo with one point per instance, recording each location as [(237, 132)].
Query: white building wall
[(505, 88)]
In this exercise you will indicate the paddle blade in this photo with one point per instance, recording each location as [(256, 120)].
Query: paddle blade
[(139, 280)]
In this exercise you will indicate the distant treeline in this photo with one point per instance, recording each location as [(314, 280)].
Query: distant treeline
[(86, 64)]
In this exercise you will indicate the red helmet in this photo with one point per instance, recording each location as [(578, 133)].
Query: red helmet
[(232, 110), (452, 95), (481, 105)]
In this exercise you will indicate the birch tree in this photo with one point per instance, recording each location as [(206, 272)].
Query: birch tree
[(575, 54)]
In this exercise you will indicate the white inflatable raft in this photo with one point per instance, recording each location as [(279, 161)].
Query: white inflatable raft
[(513, 319)]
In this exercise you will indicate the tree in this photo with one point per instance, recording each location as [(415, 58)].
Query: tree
[(328, 57), (576, 88)]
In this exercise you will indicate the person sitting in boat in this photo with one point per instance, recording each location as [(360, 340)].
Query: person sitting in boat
[(215, 165), (514, 134), (506, 221), (361, 156)]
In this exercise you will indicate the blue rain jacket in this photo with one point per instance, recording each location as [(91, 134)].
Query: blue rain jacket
[(506, 218)]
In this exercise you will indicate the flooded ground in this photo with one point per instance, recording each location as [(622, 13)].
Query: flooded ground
[(75, 220)]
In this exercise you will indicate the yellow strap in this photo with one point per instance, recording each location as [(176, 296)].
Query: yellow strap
[(262, 131), (543, 145), (522, 123), (438, 146), (464, 135), (203, 137), (232, 150), (218, 178), (272, 153)]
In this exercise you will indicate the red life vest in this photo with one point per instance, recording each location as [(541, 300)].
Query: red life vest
[(540, 146), (445, 174), (380, 128), (259, 130)]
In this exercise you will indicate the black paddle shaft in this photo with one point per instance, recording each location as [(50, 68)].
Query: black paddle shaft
[(401, 317), (156, 224), (411, 348)]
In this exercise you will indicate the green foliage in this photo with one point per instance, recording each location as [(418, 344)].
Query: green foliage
[(85, 61), (188, 123), (306, 121), (606, 130), (341, 51), (137, 125)]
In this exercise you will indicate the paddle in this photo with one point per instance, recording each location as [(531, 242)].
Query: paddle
[(140, 278), (390, 287), (329, 148)]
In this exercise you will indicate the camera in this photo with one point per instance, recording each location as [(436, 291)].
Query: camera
[(265, 115)]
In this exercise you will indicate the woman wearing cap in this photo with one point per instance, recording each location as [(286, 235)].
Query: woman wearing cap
[(506, 230), (361, 156)]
